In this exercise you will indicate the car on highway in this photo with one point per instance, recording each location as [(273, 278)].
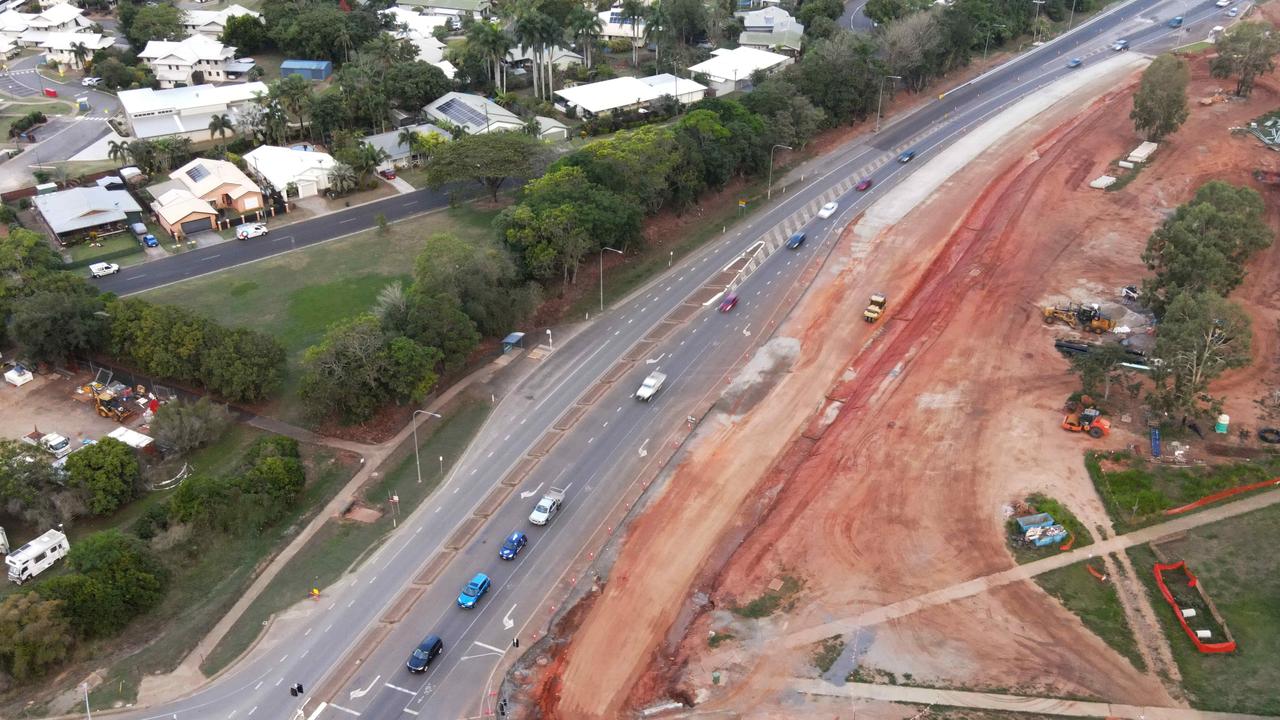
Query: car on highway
[(865, 185), (795, 241), (550, 504), (1175, 22), (512, 546), (1223, 3), (91, 81), (427, 650), (1120, 45), (1233, 12), (906, 156), (828, 210), (250, 230), (729, 302), (474, 590), (1074, 63), (103, 269)]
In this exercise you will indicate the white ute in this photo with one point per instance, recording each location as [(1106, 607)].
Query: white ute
[(52, 443), (547, 507), (650, 386)]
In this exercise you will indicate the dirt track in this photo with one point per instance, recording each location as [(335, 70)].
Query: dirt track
[(951, 412)]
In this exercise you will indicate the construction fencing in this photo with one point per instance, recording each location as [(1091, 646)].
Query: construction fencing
[(1205, 647)]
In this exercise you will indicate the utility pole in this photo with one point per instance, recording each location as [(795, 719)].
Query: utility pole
[(602, 252), (768, 194), (1035, 24), (880, 101), (416, 460)]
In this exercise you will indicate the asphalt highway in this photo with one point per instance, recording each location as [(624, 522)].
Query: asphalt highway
[(597, 459)]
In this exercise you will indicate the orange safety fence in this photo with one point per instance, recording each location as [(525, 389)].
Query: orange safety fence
[(1071, 540), (1101, 576), (1202, 646), (1215, 497)]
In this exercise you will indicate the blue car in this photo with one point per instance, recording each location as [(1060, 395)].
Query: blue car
[(906, 156), (796, 241), (1074, 63), (471, 594), (150, 240), (1175, 22), (513, 545)]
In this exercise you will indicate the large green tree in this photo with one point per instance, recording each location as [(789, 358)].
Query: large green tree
[(489, 159), (1160, 105), (841, 75), (1247, 50), (181, 426), (35, 636), (107, 472), (246, 33), (58, 320), (1201, 336), (114, 578), (154, 22)]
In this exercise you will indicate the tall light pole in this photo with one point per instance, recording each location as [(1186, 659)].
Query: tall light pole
[(85, 687), (1072, 21), (550, 343), (768, 194), (1035, 23), (602, 251), (416, 460), (987, 44), (880, 101)]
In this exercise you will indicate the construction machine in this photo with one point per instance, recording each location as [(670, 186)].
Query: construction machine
[(875, 308), (1087, 421), (1084, 317), (108, 404)]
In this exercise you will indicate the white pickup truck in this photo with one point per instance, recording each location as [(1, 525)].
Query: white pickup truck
[(547, 507), (52, 443), (651, 386)]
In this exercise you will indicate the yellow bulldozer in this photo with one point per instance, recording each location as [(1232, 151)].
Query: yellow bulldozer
[(1083, 317), (107, 403)]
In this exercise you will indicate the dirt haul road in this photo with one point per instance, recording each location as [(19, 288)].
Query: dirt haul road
[(949, 412)]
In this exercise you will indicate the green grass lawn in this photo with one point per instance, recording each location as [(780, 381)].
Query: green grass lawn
[(296, 296), (339, 545), (1097, 605), (1024, 553), (210, 572), (1243, 580), (122, 249), (1136, 493)]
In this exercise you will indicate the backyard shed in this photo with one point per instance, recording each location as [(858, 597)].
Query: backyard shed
[(309, 69)]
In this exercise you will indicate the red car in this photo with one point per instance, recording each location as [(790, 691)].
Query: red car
[(865, 185), (388, 174), (730, 302)]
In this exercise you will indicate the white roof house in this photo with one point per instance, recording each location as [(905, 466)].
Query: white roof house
[(417, 29), (562, 58), (308, 170), (63, 17), (473, 113), (213, 22), (389, 142), (771, 28), (60, 46), (627, 92), (185, 111), (175, 63), (84, 208), (614, 25), (731, 70)]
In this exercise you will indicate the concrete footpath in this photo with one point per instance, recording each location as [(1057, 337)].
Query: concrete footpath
[(1008, 703)]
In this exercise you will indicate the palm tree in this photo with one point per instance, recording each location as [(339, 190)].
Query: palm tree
[(633, 12), (293, 92), (494, 43), (162, 157), (585, 27), (144, 154), (220, 125), (118, 151), (408, 137), (528, 32), (366, 160), (80, 52), (656, 27), (383, 48), (550, 36), (342, 179)]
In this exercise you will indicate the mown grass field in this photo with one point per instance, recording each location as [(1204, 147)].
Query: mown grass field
[(1097, 605)]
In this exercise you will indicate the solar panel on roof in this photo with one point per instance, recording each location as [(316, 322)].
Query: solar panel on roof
[(198, 173), (616, 18), (461, 113)]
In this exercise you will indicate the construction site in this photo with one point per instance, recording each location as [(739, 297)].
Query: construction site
[(844, 544)]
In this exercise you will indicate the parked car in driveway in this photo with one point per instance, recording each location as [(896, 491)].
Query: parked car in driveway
[(474, 590), (865, 185), (250, 230), (427, 650), (388, 174), (514, 543), (103, 269), (150, 240)]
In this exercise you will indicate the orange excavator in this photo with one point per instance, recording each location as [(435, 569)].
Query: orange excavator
[(1087, 421)]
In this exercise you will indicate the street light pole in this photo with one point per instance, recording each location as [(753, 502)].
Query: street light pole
[(551, 345), (768, 194), (987, 44), (1072, 21), (880, 101), (602, 251), (85, 687), (1035, 23), (414, 419)]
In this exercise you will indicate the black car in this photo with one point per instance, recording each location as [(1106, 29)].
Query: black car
[(427, 651), (513, 545)]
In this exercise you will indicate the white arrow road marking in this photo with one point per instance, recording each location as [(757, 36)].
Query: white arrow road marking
[(654, 360), (397, 687), (643, 451), (488, 647), (361, 693), (530, 493), (745, 331), (507, 622)]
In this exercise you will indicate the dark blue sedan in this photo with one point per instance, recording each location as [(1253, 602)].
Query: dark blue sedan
[(513, 545)]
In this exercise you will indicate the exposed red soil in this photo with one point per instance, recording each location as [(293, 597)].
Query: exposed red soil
[(948, 414)]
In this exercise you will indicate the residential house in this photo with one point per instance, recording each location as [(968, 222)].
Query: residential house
[(561, 58), (182, 214), (213, 22), (185, 111), (455, 8), (419, 29), (771, 29), (613, 26), (196, 60), (66, 48), (398, 153), (73, 214), (627, 93), (472, 113), (730, 70), (280, 167), (63, 17), (551, 129), (201, 191)]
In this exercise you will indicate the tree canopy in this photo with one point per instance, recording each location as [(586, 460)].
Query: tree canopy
[(1160, 105)]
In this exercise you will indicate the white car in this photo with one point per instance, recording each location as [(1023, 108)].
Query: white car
[(91, 81), (1233, 12), (828, 210), (250, 230), (103, 269), (1223, 3)]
